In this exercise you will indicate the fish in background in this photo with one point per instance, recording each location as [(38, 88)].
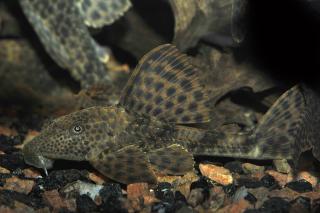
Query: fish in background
[(152, 128), (62, 27)]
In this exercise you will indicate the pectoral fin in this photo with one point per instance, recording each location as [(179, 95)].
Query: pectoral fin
[(127, 165), (174, 160)]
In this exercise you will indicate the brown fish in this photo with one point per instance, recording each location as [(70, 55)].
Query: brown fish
[(148, 130), (62, 28)]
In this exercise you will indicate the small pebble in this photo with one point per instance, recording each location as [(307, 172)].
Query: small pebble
[(31, 173), (60, 178), (85, 204), (18, 185), (163, 192), (309, 177), (137, 190), (249, 182), (230, 189), (12, 161), (97, 178), (268, 181), (282, 179), (54, 199), (4, 170), (196, 197), (251, 198), (301, 205), (216, 173), (237, 207), (250, 168), (275, 204), (112, 198), (216, 198), (300, 186), (7, 131), (72, 190), (234, 166)]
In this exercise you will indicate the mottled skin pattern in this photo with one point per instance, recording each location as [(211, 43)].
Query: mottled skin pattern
[(130, 141), (60, 25)]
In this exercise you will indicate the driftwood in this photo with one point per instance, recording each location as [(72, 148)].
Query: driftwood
[(217, 21)]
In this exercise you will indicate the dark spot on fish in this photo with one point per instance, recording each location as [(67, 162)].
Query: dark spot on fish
[(157, 111), (171, 91), (148, 81), (148, 95), (148, 108), (179, 111), (185, 118), (182, 98), (169, 105), (159, 86), (198, 95), (158, 99)]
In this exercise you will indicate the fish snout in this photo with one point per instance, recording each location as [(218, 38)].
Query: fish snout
[(32, 156)]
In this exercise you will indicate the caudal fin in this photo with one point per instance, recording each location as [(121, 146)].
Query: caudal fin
[(279, 134)]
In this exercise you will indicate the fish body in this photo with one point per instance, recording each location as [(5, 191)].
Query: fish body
[(149, 130), (62, 28)]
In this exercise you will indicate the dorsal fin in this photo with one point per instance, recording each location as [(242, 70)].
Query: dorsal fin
[(165, 85)]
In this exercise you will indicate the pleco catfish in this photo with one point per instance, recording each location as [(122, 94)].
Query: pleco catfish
[(62, 28), (148, 130)]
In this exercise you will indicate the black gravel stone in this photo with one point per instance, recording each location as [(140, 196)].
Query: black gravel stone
[(234, 166), (275, 204), (316, 205), (65, 210), (165, 207), (204, 184), (163, 192), (111, 195), (251, 198), (60, 178), (179, 197), (7, 143), (7, 198), (85, 204), (300, 186), (268, 181), (110, 190), (249, 182), (12, 161), (230, 189), (252, 211), (179, 201), (21, 128), (303, 202)]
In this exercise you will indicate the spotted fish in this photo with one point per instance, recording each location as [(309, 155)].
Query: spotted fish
[(62, 28), (149, 130)]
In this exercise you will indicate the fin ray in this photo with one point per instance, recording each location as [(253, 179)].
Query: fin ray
[(166, 86), (278, 131), (174, 160), (127, 165)]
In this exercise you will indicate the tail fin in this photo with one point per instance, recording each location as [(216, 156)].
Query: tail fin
[(281, 131), (286, 130)]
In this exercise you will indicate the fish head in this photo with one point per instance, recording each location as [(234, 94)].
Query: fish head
[(75, 136)]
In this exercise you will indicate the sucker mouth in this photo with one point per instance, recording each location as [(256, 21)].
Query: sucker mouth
[(46, 163), (34, 158)]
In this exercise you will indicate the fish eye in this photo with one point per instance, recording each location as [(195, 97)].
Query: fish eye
[(77, 129)]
